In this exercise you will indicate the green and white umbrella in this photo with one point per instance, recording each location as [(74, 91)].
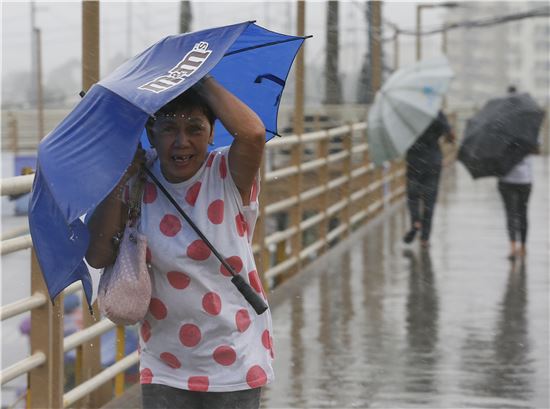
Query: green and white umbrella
[(405, 106)]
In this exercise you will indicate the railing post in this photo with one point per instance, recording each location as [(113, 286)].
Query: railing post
[(348, 167), (324, 179), (297, 149), (13, 135), (545, 143), (367, 180), (264, 261), (46, 382)]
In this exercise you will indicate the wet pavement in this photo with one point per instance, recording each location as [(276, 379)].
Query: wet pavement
[(381, 324), (377, 324)]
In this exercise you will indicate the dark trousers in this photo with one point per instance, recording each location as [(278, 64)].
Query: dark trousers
[(422, 193), (515, 198), (165, 397)]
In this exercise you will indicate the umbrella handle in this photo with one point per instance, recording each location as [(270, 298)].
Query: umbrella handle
[(249, 294)]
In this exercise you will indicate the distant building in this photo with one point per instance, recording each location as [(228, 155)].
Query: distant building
[(488, 59)]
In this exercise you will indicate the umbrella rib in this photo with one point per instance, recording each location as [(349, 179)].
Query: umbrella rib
[(265, 45)]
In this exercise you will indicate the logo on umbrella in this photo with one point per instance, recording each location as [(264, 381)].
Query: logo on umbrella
[(185, 68)]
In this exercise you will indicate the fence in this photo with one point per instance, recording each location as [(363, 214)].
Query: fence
[(316, 189)]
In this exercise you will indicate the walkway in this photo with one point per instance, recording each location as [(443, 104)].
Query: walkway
[(378, 324)]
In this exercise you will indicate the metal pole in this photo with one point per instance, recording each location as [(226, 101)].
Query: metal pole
[(39, 91), (33, 56), (418, 25), (396, 49), (444, 41)]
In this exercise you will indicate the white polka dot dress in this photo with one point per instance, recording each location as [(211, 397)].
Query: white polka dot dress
[(200, 333)]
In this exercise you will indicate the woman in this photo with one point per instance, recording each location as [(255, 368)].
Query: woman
[(515, 188), (202, 345), (424, 161)]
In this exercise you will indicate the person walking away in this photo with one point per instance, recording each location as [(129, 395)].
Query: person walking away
[(515, 189), (424, 162), (202, 345)]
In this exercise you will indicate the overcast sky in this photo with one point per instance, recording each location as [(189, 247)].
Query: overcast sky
[(129, 27)]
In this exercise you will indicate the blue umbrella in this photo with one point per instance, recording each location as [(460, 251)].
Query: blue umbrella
[(83, 159)]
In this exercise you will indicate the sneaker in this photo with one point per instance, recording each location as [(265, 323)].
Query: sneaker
[(409, 237)]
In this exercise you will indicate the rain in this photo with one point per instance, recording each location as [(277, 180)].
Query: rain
[(396, 231)]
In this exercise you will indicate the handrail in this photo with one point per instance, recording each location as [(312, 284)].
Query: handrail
[(80, 337), (16, 185), (22, 367), (15, 232), (104, 376), (15, 244), (21, 306)]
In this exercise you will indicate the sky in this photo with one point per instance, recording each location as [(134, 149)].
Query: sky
[(128, 27)]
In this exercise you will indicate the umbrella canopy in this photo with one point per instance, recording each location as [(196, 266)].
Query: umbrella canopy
[(83, 159), (405, 106), (500, 135)]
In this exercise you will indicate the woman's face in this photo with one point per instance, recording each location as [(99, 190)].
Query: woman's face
[(181, 141)]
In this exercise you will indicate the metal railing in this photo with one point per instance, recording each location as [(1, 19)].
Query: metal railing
[(320, 186)]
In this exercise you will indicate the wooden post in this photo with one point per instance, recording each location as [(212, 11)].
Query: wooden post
[(263, 260), (348, 167), (296, 152), (91, 351), (120, 347), (46, 382), (13, 135), (324, 177), (376, 58)]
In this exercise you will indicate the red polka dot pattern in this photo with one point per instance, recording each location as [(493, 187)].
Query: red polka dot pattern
[(223, 168), (190, 335), (198, 250), (146, 376), (158, 309), (149, 193), (225, 355), (198, 383), (145, 331), (256, 377), (242, 319), (235, 262), (255, 281), (178, 280), (242, 225), (210, 159), (170, 359), (266, 339), (170, 225), (215, 212), (212, 303), (193, 193)]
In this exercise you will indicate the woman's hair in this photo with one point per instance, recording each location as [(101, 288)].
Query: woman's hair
[(189, 99)]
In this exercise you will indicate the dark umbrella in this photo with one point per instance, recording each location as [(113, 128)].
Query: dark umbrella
[(500, 135)]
